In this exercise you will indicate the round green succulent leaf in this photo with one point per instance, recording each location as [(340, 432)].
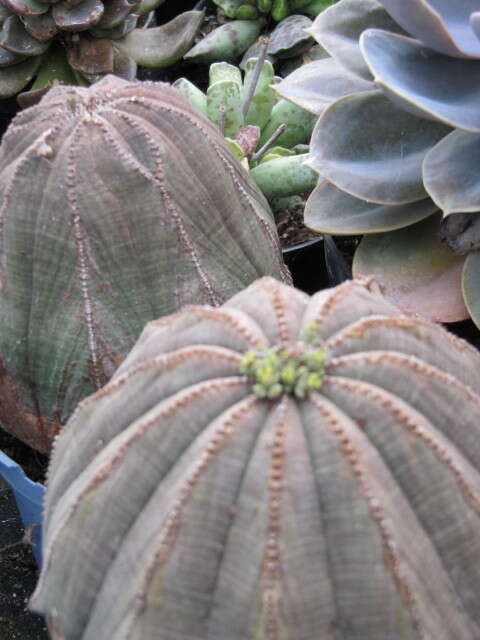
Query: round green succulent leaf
[(450, 172), (299, 124), (164, 45), (420, 80), (293, 369), (91, 56), (79, 17), (27, 7), (14, 78), (471, 285), (443, 25), (339, 27), (8, 59), (416, 271), (333, 211), (40, 27), (116, 11), (315, 85), (224, 106), (284, 176), (368, 147), (16, 39)]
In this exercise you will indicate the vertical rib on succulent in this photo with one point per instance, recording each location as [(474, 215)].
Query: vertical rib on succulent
[(272, 567), (82, 260), (364, 491), (393, 555), (143, 245), (173, 520)]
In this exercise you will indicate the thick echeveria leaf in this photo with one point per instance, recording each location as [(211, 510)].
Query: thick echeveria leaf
[(451, 172), (16, 39), (227, 42), (355, 146), (79, 17), (164, 45), (13, 79), (115, 12), (330, 210), (289, 37), (27, 7), (40, 27), (471, 285), (7, 58), (434, 85), (92, 55), (416, 270), (339, 27), (443, 25), (315, 85)]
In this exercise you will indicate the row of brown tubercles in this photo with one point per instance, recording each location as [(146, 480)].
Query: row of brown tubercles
[(121, 203)]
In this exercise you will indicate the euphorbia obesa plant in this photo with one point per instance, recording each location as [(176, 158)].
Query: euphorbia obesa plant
[(281, 468), (119, 203), (398, 139)]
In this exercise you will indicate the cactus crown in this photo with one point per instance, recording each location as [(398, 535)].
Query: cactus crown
[(294, 369)]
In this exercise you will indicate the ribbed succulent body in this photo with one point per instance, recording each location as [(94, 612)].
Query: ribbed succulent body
[(119, 203), (398, 139), (90, 38), (205, 507)]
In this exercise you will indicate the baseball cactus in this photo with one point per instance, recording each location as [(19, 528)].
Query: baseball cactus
[(281, 467), (119, 203)]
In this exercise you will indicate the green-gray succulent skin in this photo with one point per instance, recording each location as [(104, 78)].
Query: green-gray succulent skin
[(204, 505), (78, 42), (99, 235)]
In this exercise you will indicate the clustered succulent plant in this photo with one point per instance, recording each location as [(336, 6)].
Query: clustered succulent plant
[(252, 118), (396, 141), (228, 41), (76, 41), (276, 9), (281, 467), (120, 203)]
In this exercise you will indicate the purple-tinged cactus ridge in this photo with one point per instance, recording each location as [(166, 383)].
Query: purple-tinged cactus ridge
[(118, 204), (206, 510)]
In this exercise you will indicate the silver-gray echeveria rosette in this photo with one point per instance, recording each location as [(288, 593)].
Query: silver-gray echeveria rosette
[(398, 95)]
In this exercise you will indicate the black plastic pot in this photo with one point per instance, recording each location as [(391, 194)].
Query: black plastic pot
[(306, 262)]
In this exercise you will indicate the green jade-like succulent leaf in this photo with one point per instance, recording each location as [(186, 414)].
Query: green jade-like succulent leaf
[(293, 370)]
